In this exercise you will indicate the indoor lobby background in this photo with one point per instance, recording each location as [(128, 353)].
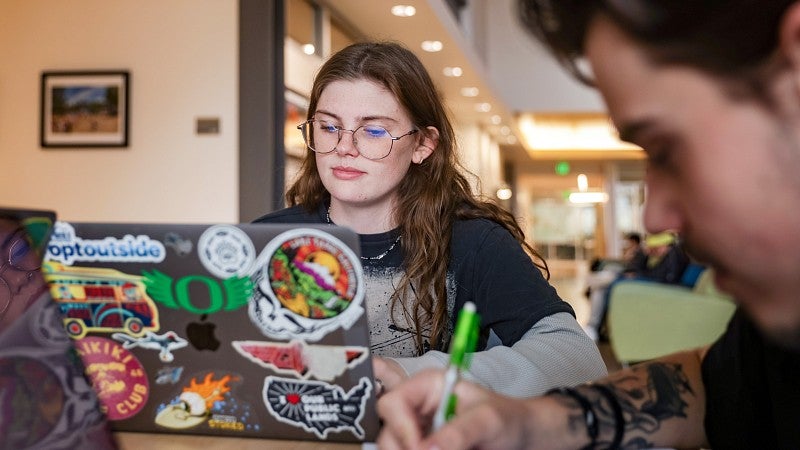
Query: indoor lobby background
[(526, 129)]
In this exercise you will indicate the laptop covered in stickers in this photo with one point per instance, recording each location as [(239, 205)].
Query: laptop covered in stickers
[(247, 330), (46, 400)]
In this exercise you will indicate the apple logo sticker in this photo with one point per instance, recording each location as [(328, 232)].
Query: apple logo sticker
[(201, 334)]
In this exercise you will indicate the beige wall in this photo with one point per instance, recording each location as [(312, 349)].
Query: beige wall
[(182, 58)]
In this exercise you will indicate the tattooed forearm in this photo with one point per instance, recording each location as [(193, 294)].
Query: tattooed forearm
[(647, 395)]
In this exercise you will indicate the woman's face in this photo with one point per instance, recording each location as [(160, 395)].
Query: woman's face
[(350, 178)]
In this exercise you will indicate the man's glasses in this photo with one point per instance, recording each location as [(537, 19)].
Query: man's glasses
[(17, 254), (372, 141)]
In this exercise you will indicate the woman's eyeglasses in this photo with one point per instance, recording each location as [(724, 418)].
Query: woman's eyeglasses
[(372, 141)]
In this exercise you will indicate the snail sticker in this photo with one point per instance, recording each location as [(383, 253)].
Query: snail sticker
[(317, 407), (308, 283)]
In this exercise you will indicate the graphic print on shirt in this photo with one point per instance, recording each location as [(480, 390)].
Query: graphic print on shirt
[(394, 339), (308, 283)]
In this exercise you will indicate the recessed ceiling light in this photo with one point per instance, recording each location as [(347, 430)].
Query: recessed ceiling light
[(470, 92), (403, 10), (453, 71), (497, 120), (432, 46), (309, 49), (483, 107), (505, 131), (511, 139)]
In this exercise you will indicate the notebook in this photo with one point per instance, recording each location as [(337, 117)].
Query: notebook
[(46, 401), (241, 330)]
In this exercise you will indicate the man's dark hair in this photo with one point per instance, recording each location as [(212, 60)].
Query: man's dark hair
[(730, 39)]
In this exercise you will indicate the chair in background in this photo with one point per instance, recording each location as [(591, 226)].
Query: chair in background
[(647, 320)]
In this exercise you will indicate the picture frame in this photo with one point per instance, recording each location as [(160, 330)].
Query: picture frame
[(85, 109)]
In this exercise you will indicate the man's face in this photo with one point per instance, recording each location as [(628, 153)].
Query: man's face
[(725, 173)]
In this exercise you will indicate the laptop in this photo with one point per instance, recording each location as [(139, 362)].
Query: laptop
[(46, 401), (248, 330)]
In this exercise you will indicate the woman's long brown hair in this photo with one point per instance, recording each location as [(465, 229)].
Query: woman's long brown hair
[(432, 196)]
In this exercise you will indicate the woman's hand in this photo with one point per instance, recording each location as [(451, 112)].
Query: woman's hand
[(388, 374)]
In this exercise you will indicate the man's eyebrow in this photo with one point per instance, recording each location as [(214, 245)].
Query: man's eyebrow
[(628, 131)]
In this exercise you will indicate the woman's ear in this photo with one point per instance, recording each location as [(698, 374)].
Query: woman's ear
[(427, 145)]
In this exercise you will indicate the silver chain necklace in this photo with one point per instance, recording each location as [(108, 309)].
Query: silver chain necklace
[(367, 258)]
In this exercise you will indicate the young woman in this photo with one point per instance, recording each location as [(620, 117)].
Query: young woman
[(382, 161)]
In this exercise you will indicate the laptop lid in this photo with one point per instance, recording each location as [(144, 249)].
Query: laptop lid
[(243, 330), (46, 402)]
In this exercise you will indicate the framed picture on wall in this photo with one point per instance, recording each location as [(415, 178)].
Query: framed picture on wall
[(85, 109)]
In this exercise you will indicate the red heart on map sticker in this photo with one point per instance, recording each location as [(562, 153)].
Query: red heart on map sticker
[(293, 398)]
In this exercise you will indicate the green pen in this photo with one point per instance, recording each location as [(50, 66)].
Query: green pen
[(465, 338)]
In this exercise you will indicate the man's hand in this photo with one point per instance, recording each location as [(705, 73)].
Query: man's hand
[(483, 420)]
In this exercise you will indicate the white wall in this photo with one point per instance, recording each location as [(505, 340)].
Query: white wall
[(526, 77), (182, 58)]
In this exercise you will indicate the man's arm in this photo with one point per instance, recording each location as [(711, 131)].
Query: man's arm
[(662, 403)]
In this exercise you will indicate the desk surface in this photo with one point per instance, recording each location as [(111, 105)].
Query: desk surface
[(157, 441)]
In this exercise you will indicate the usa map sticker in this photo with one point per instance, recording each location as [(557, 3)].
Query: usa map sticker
[(208, 398), (317, 407), (226, 251), (308, 283), (117, 376), (323, 362), (165, 343)]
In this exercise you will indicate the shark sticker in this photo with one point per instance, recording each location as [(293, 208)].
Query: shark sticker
[(323, 362), (317, 407), (308, 283), (165, 343)]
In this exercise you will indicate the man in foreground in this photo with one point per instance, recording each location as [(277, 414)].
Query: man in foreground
[(711, 91)]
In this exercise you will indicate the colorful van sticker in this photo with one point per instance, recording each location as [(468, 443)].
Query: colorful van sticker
[(308, 283), (209, 401), (117, 376), (317, 407), (65, 247), (99, 299), (165, 343), (323, 362), (226, 251)]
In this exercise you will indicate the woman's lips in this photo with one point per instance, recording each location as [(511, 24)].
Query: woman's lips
[(346, 173)]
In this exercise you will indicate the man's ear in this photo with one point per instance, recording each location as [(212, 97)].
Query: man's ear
[(426, 146), (790, 38)]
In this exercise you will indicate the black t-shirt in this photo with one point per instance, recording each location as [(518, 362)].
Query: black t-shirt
[(487, 266), (752, 391)]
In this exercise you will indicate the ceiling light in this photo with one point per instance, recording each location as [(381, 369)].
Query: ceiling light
[(483, 107), (505, 131), (470, 92), (583, 182), (453, 71), (588, 197), (432, 46), (511, 139), (309, 49), (496, 120), (504, 192), (567, 132), (403, 10)]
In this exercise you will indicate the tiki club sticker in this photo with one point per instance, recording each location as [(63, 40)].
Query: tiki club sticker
[(308, 283), (323, 362), (208, 399), (117, 376), (317, 407)]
